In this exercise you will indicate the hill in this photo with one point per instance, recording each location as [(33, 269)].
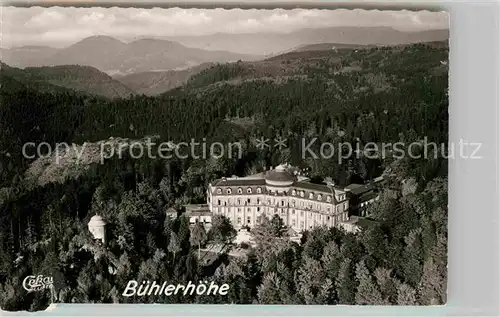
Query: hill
[(74, 77), (309, 62), (154, 83), (329, 46), (27, 55), (115, 57), (15, 80)]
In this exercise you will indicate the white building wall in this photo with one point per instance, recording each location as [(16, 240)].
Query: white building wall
[(300, 213)]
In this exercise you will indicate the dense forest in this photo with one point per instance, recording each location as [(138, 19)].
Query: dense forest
[(381, 94)]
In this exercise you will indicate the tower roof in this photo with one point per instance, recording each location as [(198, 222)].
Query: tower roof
[(280, 175), (97, 221)]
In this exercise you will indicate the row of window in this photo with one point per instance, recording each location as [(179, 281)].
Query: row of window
[(280, 203), (369, 201), (294, 222), (282, 211), (240, 190), (301, 193)]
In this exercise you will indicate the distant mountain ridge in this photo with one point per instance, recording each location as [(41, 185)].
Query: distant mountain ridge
[(274, 43), (116, 57)]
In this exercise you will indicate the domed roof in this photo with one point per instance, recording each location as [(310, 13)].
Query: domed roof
[(97, 221), (280, 175)]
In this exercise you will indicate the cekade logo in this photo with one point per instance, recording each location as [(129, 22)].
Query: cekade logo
[(34, 283)]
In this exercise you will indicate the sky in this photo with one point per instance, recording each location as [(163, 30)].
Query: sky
[(63, 26)]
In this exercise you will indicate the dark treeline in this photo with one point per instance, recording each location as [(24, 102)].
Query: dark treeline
[(383, 95)]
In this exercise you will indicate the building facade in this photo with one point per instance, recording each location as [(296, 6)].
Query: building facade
[(301, 204)]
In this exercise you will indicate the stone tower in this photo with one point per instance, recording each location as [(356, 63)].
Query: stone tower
[(97, 227)]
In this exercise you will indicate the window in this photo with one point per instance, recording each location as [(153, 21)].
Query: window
[(248, 200), (319, 197), (240, 190), (239, 210), (228, 190), (302, 214), (258, 201), (311, 196), (302, 194), (293, 222), (282, 203), (293, 211), (328, 199), (258, 209), (259, 190), (218, 202), (302, 225), (239, 201), (219, 191), (248, 209), (294, 192), (249, 190), (345, 206), (249, 220), (293, 203), (239, 220)]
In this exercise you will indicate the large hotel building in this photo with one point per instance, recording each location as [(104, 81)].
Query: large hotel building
[(301, 204)]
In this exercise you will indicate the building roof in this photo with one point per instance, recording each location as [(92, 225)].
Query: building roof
[(358, 189), (314, 187), (196, 207), (97, 221), (198, 213), (367, 196), (280, 174), (243, 181)]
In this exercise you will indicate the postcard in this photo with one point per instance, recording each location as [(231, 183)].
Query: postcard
[(223, 156)]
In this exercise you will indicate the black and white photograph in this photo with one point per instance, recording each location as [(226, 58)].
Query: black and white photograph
[(224, 156)]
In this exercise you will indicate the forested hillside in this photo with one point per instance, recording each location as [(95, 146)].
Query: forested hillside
[(388, 94), (155, 83), (84, 79)]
